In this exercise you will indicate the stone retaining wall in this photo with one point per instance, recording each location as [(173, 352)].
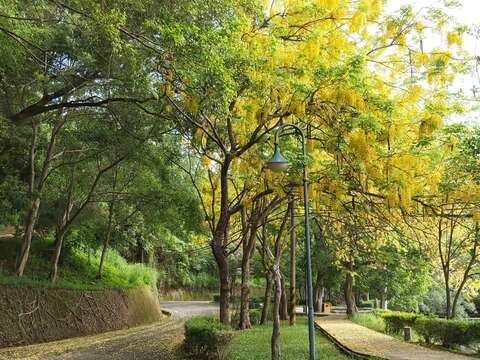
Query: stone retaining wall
[(33, 315)]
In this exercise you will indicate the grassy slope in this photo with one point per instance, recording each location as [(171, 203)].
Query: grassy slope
[(78, 270), (254, 344)]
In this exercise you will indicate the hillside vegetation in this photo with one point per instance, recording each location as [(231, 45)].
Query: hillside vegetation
[(79, 269)]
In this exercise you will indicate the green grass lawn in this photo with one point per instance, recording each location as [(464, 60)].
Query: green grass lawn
[(254, 344)]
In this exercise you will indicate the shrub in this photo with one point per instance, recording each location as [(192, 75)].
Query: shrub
[(380, 312), (367, 304), (256, 302), (206, 338), (216, 297), (430, 329), (448, 332), (201, 281), (396, 321), (255, 316)]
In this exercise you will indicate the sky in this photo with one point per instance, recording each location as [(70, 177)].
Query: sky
[(467, 14)]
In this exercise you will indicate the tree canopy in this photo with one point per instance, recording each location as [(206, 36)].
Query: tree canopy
[(144, 127)]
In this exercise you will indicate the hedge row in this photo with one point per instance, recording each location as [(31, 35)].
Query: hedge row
[(206, 338), (368, 304), (396, 321), (447, 332)]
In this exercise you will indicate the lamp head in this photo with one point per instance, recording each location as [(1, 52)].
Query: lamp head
[(277, 162)]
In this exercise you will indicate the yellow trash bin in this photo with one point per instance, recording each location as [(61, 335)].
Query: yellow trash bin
[(326, 307)]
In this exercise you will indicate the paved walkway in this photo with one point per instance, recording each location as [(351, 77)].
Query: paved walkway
[(364, 341), (158, 341), (186, 309)]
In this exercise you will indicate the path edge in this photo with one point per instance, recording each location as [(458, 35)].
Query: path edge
[(346, 349)]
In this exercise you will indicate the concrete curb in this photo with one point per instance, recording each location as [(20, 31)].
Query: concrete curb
[(346, 349), (166, 312)]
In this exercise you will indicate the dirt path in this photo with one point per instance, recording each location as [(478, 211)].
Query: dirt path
[(364, 341), (159, 341)]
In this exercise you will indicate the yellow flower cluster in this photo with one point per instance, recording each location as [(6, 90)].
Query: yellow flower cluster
[(454, 38), (359, 141)]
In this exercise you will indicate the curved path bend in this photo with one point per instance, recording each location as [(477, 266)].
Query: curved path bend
[(372, 344), (158, 341)]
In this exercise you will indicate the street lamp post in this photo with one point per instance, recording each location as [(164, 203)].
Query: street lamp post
[(278, 163)]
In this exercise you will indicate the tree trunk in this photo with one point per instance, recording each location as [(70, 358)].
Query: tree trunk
[(277, 274), (283, 299), (448, 299), (225, 287), (32, 215), (466, 274), (140, 250), (27, 236), (318, 293), (248, 249), (245, 294), (33, 152), (293, 265), (219, 243), (106, 240), (357, 297), (225, 283), (276, 313), (68, 217), (108, 234), (259, 212), (62, 229), (59, 238), (383, 299), (348, 291), (445, 262), (267, 297)]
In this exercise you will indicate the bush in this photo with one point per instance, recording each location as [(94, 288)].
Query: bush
[(256, 302), (380, 312), (206, 338), (370, 304), (396, 321), (216, 297), (448, 332), (430, 329), (255, 316)]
